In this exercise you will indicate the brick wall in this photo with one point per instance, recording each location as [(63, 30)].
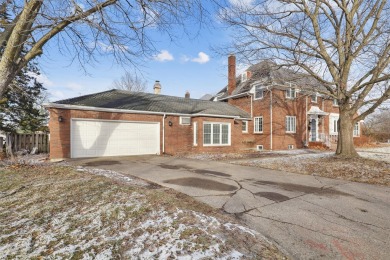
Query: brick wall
[(178, 138)]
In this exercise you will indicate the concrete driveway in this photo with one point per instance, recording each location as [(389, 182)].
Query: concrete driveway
[(308, 217)]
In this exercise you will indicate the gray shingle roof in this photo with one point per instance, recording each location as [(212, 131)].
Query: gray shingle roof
[(268, 73), (121, 99)]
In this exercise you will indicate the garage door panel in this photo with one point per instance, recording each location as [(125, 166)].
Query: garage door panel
[(111, 138)]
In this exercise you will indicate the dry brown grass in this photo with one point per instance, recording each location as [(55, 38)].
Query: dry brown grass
[(357, 169), (62, 213)]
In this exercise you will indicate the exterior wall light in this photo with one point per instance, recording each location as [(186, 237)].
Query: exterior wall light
[(170, 123), (60, 119)]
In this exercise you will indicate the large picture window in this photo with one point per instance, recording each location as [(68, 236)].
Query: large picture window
[(291, 124), (216, 134), (258, 124)]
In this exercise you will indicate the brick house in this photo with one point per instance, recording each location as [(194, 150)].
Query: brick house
[(267, 107), (117, 122), (285, 109)]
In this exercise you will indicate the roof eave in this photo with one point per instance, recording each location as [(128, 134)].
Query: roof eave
[(128, 111)]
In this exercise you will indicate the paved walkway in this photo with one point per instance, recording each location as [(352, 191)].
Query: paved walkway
[(308, 217)]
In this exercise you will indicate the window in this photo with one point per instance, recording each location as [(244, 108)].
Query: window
[(244, 76), (291, 93), (245, 126), (334, 123), (216, 134), (335, 102), (258, 124), (290, 146), (259, 147), (314, 98), (258, 92), (291, 124), (185, 120), (195, 126), (356, 130)]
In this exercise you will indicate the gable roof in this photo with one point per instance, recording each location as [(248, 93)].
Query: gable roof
[(268, 73), (138, 101)]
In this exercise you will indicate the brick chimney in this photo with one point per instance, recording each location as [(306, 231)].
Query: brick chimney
[(187, 95), (157, 87), (231, 73)]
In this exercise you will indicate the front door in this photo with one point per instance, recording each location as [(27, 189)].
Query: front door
[(313, 130)]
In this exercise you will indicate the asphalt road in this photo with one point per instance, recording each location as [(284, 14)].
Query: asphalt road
[(307, 217)]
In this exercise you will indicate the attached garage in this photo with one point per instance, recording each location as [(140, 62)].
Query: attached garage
[(94, 138)]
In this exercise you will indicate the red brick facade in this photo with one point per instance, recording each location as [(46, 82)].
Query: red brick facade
[(180, 138)]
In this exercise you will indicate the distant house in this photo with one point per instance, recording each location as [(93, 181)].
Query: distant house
[(286, 110), (267, 107)]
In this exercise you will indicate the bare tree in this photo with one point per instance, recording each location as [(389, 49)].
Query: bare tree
[(130, 82), (343, 44), (378, 125), (85, 29)]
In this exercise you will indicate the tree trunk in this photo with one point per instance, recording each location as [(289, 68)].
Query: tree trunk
[(6, 76), (345, 146)]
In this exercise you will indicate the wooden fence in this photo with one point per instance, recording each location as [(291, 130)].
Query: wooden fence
[(18, 142)]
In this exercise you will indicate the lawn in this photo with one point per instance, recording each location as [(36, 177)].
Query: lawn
[(60, 212), (372, 167)]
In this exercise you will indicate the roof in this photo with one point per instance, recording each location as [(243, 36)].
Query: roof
[(268, 73), (139, 101)]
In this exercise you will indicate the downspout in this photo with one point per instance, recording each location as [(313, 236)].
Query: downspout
[(323, 120), (271, 118), (306, 124), (251, 106), (163, 134)]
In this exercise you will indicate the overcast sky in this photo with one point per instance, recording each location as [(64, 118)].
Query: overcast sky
[(186, 64)]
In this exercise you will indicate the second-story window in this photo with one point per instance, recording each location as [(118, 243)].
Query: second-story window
[(259, 92), (244, 76), (314, 98), (291, 93), (335, 102)]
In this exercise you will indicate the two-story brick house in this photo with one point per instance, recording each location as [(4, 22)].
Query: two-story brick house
[(286, 109), (267, 107)]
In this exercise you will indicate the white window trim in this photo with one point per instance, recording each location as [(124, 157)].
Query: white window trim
[(211, 137), (295, 125), (254, 125), (335, 102), (181, 120), (259, 147), (290, 147), (333, 117), (254, 90), (246, 127), (244, 76), (358, 130), (289, 90), (195, 126), (316, 100)]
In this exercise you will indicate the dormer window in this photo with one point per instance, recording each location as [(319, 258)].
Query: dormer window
[(244, 76), (259, 92), (291, 93), (314, 98)]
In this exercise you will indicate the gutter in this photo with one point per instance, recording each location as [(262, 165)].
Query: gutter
[(234, 96), (127, 111)]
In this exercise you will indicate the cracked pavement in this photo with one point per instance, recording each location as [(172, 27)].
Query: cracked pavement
[(307, 217)]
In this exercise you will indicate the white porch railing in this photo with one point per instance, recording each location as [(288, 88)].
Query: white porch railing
[(327, 139)]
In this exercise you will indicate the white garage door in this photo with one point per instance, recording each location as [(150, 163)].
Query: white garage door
[(93, 138)]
